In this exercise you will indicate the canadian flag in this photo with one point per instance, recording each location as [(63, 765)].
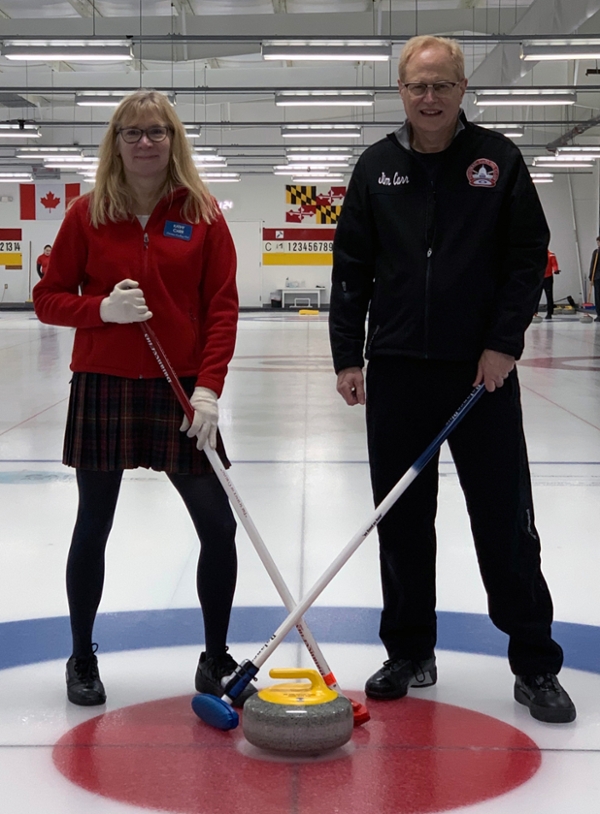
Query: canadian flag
[(46, 201)]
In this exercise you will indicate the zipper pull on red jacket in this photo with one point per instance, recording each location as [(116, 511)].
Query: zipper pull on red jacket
[(146, 240)]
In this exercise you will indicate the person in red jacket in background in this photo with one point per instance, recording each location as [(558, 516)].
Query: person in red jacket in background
[(548, 283), (41, 264), (148, 242)]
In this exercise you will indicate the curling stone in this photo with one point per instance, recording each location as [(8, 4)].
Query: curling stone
[(297, 718), (585, 318), (536, 318), (304, 312)]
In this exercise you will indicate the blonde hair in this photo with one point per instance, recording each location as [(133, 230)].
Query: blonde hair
[(111, 197), (420, 43)]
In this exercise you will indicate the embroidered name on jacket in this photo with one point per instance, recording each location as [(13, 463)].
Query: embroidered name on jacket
[(394, 181), (483, 173)]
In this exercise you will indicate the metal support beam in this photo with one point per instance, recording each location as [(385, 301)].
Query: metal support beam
[(574, 131), (85, 8)]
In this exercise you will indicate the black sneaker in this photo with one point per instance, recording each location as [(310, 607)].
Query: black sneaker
[(546, 699), (213, 673), (397, 675), (84, 686)]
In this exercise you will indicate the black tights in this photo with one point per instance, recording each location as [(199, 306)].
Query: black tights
[(216, 574)]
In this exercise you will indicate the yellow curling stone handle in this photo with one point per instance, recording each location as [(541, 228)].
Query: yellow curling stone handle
[(297, 694)]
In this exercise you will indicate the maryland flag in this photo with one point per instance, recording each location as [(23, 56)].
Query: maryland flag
[(314, 206)]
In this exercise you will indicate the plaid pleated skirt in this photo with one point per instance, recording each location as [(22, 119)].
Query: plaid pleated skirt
[(117, 423)]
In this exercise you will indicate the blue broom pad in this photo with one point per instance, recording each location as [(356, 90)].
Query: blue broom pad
[(215, 712)]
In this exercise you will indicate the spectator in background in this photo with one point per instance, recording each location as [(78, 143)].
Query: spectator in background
[(548, 283), (595, 278), (43, 260)]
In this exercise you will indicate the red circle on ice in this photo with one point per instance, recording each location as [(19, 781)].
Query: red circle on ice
[(414, 756)]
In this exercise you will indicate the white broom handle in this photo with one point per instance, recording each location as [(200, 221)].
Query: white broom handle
[(241, 511), (269, 563)]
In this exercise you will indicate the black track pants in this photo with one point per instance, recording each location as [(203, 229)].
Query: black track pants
[(408, 403), (216, 574), (548, 288)]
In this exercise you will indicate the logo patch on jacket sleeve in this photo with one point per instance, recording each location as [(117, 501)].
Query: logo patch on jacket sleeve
[(483, 173)]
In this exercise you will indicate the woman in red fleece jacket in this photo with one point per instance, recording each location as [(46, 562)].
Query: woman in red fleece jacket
[(148, 242)]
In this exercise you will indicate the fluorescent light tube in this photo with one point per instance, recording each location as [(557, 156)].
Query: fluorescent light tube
[(315, 179), (15, 130), (60, 50), (321, 131), (537, 97), (322, 99), (339, 50), (510, 130), (541, 51)]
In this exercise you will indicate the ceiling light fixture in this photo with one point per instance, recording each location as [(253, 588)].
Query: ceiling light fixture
[(542, 50), (510, 130), (338, 50), (22, 177), (66, 158), (63, 50), (564, 165), (19, 130), (324, 99), (329, 158), (321, 131), (99, 99), (221, 177), (489, 98), (573, 150), (210, 160), (290, 169), (326, 149), (315, 179), (40, 153), (577, 158)]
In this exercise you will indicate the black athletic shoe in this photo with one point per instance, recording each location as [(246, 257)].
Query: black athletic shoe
[(84, 686), (213, 674), (546, 699), (397, 675)]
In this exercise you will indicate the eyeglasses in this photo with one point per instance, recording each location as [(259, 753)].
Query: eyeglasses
[(418, 89), (156, 134)]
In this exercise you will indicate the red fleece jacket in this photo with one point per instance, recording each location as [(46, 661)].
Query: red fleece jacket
[(189, 285)]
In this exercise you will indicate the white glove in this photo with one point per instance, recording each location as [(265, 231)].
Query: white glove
[(124, 304), (206, 417)]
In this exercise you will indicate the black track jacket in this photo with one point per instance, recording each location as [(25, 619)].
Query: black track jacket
[(445, 269)]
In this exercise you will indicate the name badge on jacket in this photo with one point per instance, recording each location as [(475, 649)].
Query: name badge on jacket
[(181, 230)]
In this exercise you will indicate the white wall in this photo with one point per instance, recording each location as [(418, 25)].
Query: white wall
[(36, 234), (573, 222), (257, 202), (262, 198)]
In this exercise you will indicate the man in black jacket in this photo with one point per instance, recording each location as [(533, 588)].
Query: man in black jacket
[(443, 242)]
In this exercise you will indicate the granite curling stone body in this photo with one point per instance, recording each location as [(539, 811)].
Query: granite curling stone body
[(298, 718)]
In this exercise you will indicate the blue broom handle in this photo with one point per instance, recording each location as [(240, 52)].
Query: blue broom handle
[(361, 535)]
